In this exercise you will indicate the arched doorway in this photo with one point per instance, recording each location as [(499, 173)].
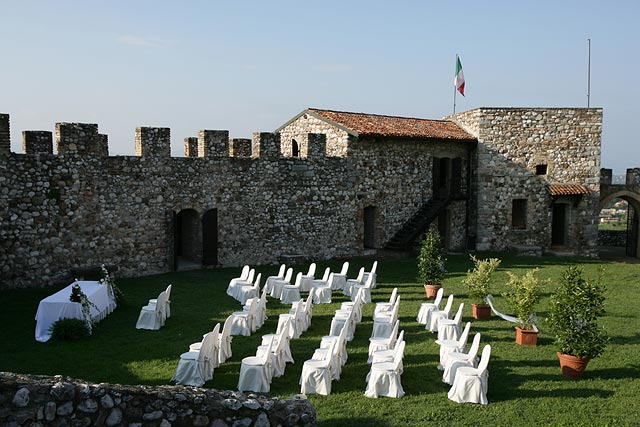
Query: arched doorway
[(210, 237), (618, 225), (295, 148), (187, 240), (369, 236)]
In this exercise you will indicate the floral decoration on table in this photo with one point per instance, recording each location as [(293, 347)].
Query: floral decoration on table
[(108, 280), (78, 296)]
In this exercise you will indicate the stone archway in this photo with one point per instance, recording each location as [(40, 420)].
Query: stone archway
[(632, 243)]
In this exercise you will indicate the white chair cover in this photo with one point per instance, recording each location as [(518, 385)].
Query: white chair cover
[(166, 313), (341, 319), (352, 282), (449, 329), (383, 343), (384, 378), (277, 284), (291, 322), (489, 300), (371, 274), (268, 285), (453, 345), (249, 291), (278, 353), (225, 339), (212, 352), (340, 279), (387, 355), (435, 315), (322, 290), (242, 323), (453, 361), (382, 307), (291, 293), (383, 323), (152, 317), (193, 366), (243, 276), (316, 375), (339, 355), (367, 286), (236, 284), (424, 315), (470, 384), (256, 373), (307, 279)]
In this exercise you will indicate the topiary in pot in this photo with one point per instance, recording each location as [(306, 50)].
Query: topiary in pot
[(573, 313), (431, 269), (523, 295), (477, 281)]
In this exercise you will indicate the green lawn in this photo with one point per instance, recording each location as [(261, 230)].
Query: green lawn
[(525, 385)]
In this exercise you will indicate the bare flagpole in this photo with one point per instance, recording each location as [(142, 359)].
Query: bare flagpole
[(588, 75), (454, 86)]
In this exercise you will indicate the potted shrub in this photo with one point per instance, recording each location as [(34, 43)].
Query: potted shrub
[(523, 295), (477, 281), (431, 261), (573, 313)]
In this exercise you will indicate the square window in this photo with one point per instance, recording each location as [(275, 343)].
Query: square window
[(541, 169)]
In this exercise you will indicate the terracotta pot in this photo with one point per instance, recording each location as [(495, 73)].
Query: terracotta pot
[(572, 366), (481, 311), (526, 336), (431, 290)]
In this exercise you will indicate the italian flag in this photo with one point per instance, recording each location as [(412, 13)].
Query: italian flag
[(458, 81)]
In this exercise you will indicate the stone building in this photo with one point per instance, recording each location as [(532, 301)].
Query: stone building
[(325, 184)]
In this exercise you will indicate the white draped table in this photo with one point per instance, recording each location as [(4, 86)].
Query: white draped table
[(58, 306)]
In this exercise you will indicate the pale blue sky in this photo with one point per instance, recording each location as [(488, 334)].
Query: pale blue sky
[(251, 65)]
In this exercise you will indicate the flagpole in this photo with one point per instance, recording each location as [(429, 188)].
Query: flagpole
[(589, 75), (454, 87)]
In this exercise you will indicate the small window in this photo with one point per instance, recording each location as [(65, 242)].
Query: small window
[(541, 169), (295, 149), (519, 214)]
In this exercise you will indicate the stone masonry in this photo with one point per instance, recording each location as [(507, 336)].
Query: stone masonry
[(82, 208), (60, 401), (512, 143)]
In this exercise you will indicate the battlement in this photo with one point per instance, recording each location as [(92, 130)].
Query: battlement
[(213, 143), (78, 139), (153, 142), (37, 141), (191, 146), (5, 134), (265, 145), (240, 147)]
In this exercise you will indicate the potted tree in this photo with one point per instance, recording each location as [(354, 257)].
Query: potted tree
[(431, 261), (477, 281), (573, 313), (523, 295)]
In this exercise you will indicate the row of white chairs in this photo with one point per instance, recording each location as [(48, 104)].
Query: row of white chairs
[(154, 315), (274, 352), (326, 362), (386, 351), (196, 366), (468, 377)]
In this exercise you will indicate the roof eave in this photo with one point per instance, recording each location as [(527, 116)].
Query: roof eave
[(319, 117)]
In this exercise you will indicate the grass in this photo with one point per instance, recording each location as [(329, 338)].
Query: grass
[(525, 385)]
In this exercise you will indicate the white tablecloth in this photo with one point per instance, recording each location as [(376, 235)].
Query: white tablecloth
[(58, 306)]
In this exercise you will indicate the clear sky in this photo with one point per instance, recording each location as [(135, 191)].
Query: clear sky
[(249, 66)]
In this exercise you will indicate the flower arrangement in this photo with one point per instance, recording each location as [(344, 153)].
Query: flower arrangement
[(80, 297), (108, 280)]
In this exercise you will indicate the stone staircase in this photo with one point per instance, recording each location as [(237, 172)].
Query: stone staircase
[(405, 238)]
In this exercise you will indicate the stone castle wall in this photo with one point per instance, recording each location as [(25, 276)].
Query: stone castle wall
[(511, 142), (61, 401)]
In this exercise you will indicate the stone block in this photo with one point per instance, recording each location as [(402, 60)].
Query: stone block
[(213, 143), (37, 141), (153, 142)]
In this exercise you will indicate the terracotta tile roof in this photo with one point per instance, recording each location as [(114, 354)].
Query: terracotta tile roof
[(567, 189), (405, 127)]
